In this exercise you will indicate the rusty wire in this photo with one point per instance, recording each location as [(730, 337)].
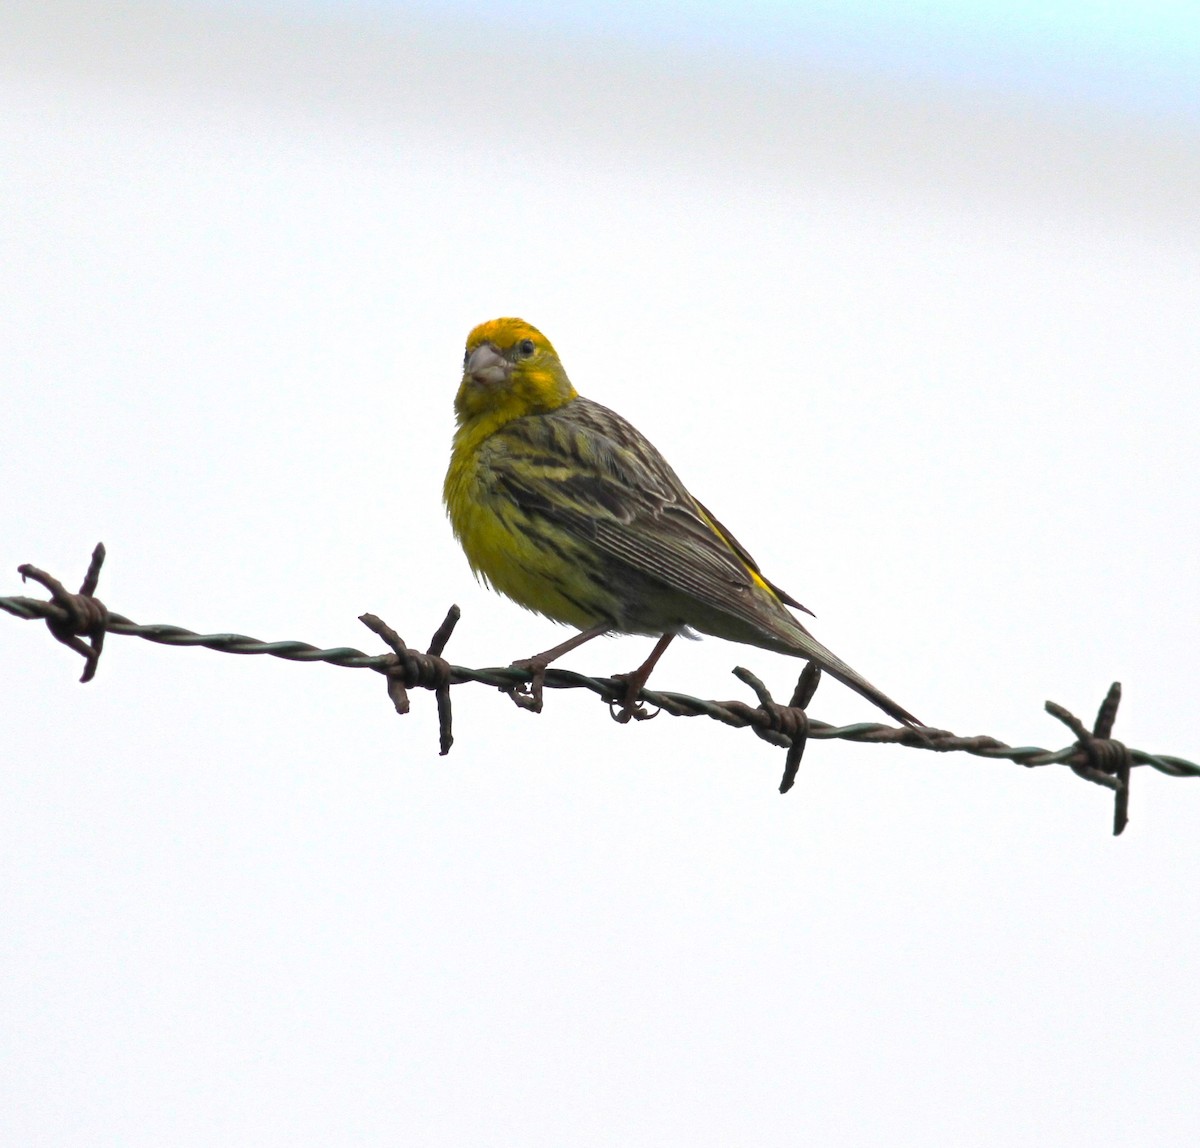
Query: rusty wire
[(1094, 755)]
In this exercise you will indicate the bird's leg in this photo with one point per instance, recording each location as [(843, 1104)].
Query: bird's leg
[(630, 706), (538, 663)]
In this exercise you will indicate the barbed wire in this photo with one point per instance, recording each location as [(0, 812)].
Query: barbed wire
[(81, 621)]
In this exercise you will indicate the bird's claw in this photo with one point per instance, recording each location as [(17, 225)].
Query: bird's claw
[(636, 712), (529, 697), (630, 708)]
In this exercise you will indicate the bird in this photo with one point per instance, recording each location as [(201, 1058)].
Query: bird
[(564, 507)]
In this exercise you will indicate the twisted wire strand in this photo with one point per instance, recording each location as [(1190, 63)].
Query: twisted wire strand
[(737, 714), (1096, 755)]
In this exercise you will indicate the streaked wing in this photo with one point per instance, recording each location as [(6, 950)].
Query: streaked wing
[(590, 473), (744, 555), (586, 471)]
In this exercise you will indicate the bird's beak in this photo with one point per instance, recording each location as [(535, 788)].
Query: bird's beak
[(485, 365)]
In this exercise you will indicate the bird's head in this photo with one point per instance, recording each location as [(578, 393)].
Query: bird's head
[(510, 369)]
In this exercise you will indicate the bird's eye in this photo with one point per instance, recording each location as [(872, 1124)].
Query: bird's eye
[(525, 348)]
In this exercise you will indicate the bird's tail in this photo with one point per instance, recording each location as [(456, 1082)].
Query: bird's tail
[(802, 644)]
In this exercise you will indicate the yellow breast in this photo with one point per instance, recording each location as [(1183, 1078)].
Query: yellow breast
[(523, 557)]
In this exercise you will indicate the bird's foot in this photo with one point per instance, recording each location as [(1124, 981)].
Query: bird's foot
[(529, 697), (630, 707)]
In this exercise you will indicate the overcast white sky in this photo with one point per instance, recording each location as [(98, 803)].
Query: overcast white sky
[(932, 357)]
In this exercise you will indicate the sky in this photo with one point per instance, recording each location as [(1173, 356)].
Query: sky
[(1122, 57), (930, 352)]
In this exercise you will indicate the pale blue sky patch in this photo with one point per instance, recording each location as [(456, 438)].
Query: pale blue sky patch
[(1142, 59)]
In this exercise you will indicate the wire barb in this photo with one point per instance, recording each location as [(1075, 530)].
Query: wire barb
[(806, 686), (786, 725), (1095, 755), (78, 616), (407, 669), (1106, 761)]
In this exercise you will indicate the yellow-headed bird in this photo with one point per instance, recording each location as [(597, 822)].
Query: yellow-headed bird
[(563, 506)]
